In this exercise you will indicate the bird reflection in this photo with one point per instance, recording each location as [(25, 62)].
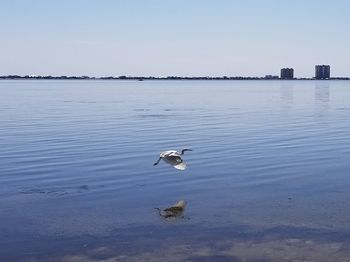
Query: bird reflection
[(175, 211)]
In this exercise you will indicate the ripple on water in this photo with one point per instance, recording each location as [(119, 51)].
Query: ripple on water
[(72, 170)]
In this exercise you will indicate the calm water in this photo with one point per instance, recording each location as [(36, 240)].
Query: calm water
[(269, 176)]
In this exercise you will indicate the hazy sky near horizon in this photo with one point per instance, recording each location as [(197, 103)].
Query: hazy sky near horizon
[(166, 37)]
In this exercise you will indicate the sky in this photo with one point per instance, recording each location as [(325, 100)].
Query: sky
[(168, 37)]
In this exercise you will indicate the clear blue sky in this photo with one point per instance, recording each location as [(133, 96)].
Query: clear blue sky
[(168, 37)]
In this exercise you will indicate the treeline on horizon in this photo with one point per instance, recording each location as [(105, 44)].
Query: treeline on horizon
[(140, 78)]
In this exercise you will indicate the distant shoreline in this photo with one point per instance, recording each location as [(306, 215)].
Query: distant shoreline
[(224, 78)]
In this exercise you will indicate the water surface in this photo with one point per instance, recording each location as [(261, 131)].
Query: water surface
[(269, 170)]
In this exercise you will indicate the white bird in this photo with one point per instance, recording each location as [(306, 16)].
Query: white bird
[(173, 158)]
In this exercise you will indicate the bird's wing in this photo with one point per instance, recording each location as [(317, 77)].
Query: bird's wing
[(174, 153), (167, 153), (181, 166)]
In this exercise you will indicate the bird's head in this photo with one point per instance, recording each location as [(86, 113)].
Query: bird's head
[(184, 150)]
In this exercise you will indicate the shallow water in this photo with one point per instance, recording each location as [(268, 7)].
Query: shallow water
[(270, 165)]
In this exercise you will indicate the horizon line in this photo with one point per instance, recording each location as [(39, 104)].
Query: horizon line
[(123, 77)]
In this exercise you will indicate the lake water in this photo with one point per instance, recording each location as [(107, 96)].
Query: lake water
[(268, 178)]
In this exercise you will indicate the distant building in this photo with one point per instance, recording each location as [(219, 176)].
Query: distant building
[(322, 71), (271, 77), (287, 73)]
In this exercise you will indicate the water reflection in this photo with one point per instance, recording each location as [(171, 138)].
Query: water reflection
[(175, 211), (322, 98), (287, 95), (287, 92)]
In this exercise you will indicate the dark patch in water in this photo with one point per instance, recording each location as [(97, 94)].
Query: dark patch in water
[(155, 116), (85, 187), (343, 108), (92, 102), (217, 258), (142, 109), (55, 190), (87, 102)]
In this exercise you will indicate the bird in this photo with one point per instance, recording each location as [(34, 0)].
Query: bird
[(173, 158)]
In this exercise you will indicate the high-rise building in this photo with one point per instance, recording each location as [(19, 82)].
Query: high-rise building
[(322, 71), (287, 73)]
